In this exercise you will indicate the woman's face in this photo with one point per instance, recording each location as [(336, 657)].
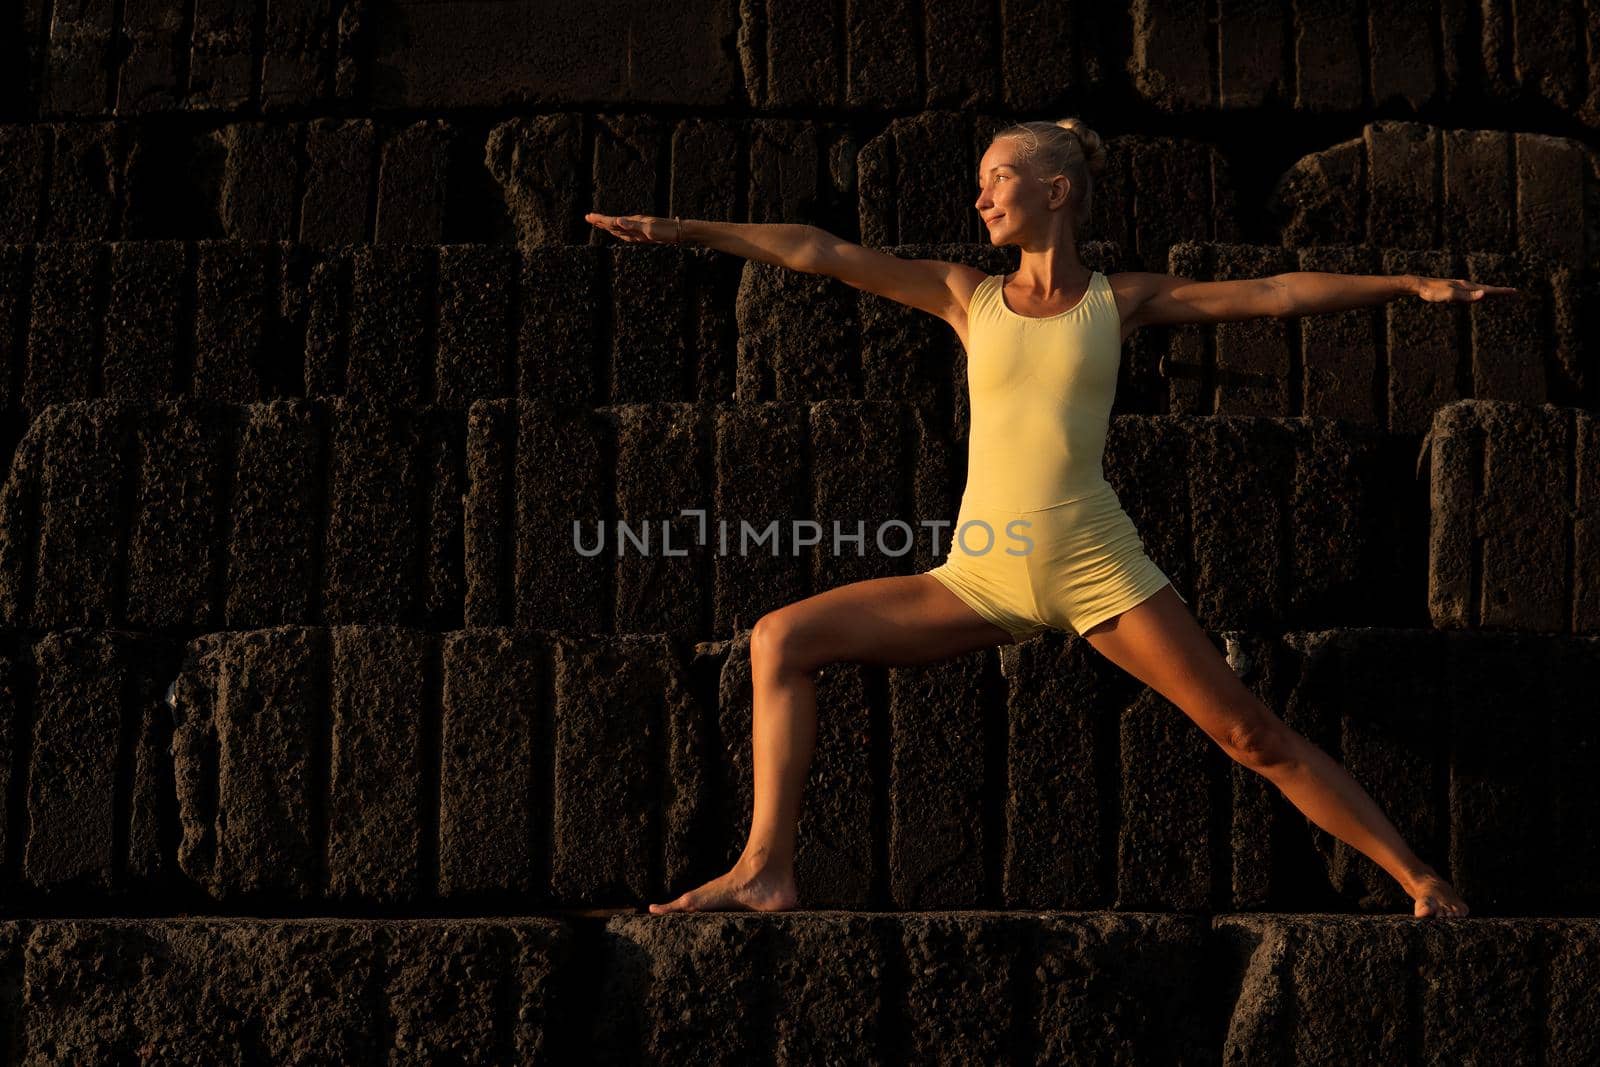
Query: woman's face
[(1011, 199)]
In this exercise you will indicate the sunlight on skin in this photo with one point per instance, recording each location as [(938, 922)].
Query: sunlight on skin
[(763, 878)]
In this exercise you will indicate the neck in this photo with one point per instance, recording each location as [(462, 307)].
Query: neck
[(1051, 271)]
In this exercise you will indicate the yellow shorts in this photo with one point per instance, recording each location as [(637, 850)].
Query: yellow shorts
[(1069, 566)]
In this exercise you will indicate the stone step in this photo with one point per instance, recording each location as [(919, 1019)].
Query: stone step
[(191, 517), (243, 321), (198, 515), (802, 987), (507, 768)]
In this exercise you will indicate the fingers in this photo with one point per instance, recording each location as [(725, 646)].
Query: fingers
[(624, 227), (1460, 289), (615, 225), (1477, 289)]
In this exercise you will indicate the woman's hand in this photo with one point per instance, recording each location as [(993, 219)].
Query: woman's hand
[(1439, 290), (646, 228)]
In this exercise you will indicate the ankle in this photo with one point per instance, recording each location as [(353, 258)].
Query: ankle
[(1422, 876), (758, 861)]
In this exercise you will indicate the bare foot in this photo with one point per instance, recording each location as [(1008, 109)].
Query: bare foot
[(739, 890), (1437, 898)]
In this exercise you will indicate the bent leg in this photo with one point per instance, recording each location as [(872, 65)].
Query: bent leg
[(1160, 644), (899, 621)]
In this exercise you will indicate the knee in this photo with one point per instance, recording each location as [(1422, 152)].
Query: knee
[(1259, 741), (775, 643)]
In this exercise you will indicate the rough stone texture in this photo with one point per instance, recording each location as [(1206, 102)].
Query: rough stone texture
[(1168, 767), (661, 555), (236, 325), (859, 463), (1339, 352), (62, 311), (394, 293), (251, 762), (561, 475), (1382, 186), (938, 779), (477, 295), (1165, 66), (1423, 356), (419, 324), (148, 328), (1042, 815), (961, 976), (340, 157), (404, 539), (372, 543), (629, 769), (1314, 987), (300, 990), (412, 184), (72, 770), (76, 550), (560, 336), (488, 513), (1118, 987), (797, 988), (174, 515), (175, 542), (1450, 964), (786, 353), (258, 179), (314, 333), (751, 523), (1251, 368), (1507, 542), (88, 168), (1060, 703), (275, 514), (493, 760), (1509, 361), (384, 686)]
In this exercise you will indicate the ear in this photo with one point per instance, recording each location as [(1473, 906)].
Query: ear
[(1067, 198)]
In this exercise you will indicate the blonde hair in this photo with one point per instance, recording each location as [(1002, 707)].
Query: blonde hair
[(1068, 147)]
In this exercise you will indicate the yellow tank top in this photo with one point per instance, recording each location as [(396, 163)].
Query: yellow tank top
[(1041, 392)]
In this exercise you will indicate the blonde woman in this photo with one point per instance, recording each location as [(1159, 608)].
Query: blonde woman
[(1042, 541)]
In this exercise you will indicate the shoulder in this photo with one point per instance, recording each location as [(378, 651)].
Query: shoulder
[(964, 281), (1132, 289), (1135, 281)]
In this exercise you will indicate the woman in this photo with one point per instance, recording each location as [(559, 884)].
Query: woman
[(1042, 541)]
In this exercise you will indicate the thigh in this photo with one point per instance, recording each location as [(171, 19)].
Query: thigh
[(899, 621), (1159, 642)]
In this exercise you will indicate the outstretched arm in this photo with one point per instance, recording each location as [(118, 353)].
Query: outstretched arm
[(782, 244), (1163, 300), (929, 285), (1309, 292)]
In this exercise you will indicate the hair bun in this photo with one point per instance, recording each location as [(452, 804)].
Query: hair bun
[(1094, 152)]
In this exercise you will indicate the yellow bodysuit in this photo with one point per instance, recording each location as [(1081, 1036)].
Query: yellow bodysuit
[(1041, 540)]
